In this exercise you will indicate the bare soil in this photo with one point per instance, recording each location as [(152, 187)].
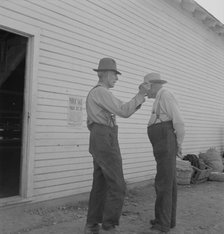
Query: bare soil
[(200, 211)]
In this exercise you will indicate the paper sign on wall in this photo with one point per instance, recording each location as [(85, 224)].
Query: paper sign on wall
[(75, 111)]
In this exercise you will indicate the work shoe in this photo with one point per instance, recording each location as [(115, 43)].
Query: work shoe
[(156, 231), (153, 222), (92, 228), (109, 231)]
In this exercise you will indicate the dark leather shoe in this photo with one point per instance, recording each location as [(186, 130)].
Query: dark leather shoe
[(109, 231), (156, 229), (92, 228), (153, 222)]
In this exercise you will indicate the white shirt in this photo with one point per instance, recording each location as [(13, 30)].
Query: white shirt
[(102, 106), (169, 111)]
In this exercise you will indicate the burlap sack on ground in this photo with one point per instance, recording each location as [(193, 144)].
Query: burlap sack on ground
[(216, 176), (213, 159), (184, 172)]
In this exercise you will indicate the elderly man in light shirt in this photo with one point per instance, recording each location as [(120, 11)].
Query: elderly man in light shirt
[(166, 134), (108, 188)]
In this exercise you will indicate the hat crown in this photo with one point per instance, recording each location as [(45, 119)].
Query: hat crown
[(154, 78), (107, 64)]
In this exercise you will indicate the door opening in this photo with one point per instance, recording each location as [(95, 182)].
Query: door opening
[(13, 49)]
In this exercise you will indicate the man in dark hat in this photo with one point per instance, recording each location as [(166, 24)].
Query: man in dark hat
[(108, 188), (166, 134)]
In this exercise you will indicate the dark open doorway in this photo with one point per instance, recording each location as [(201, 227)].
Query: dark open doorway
[(12, 79)]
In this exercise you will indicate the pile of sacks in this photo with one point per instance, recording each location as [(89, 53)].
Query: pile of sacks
[(184, 172), (201, 171), (197, 169), (214, 160)]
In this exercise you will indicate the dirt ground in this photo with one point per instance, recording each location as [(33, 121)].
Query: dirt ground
[(200, 211)]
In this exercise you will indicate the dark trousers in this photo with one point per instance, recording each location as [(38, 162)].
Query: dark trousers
[(163, 140), (108, 188)]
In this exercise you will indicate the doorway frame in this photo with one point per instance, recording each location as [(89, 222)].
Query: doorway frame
[(29, 108)]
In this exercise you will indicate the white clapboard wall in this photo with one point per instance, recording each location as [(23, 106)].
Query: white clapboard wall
[(142, 36)]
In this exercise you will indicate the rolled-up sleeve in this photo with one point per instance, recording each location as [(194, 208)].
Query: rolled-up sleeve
[(172, 109), (106, 100)]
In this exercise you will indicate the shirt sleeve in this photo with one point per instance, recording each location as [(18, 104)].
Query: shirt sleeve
[(106, 100), (171, 107)]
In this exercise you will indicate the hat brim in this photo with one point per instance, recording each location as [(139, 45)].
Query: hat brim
[(158, 81), (99, 70)]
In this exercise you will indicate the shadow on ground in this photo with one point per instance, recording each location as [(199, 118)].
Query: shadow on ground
[(200, 211)]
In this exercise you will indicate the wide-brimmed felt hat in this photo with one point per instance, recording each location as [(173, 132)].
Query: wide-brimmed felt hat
[(154, 78), (107, 64)]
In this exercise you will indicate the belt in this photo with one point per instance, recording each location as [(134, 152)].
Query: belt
[(90, 126), (161, 122)]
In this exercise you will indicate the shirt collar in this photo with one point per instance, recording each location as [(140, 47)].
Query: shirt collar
[(101, 84), (159, 92)]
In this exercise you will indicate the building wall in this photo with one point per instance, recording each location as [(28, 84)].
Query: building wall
[(142, 36)]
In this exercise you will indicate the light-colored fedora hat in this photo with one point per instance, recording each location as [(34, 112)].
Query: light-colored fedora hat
[(107, 64), (154, 78)]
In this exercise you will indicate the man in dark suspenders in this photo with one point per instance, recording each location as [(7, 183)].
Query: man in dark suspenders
[(166, 134), (108, 188)]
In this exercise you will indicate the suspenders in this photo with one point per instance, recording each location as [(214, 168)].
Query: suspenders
[(113, 119), (158, 108), (112, 116)]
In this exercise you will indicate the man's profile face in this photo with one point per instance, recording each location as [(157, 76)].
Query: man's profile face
[(151, 91), (149, 88), (112, 78)]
